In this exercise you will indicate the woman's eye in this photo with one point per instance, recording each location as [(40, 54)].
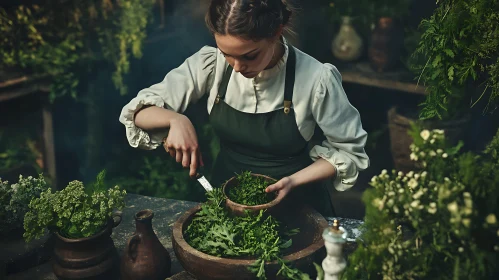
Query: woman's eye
[(251, 57)]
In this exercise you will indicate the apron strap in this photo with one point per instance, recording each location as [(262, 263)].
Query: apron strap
[(290, 80), (223, 85)]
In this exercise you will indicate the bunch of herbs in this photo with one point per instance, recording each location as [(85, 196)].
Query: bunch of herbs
[(250, 190), (213, 231)]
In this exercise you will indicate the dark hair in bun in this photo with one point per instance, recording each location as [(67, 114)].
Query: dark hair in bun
[(250, 19)]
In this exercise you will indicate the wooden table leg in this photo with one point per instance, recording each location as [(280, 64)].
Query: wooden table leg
[(48, 139)]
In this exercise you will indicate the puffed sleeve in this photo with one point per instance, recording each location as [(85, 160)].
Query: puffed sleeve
[(342, 127), (180, 87)]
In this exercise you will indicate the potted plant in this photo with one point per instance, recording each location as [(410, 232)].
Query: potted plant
[(436, 223), (387, 36), (82, 220), (14, 199), (457, 60)]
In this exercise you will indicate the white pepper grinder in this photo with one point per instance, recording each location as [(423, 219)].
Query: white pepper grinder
[(334, 263)]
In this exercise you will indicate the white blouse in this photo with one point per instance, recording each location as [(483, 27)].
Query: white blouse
[(318, 99)]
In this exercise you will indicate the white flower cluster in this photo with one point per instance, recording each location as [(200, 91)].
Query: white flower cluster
[(429, 146)]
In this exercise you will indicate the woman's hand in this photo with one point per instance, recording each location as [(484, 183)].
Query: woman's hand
[(282, 187), (182, 143)]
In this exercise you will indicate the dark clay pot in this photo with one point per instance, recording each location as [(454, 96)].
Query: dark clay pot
[(387, 40), (144, 256), (93, 257)]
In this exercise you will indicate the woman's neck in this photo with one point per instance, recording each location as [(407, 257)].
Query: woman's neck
[(278, 54)]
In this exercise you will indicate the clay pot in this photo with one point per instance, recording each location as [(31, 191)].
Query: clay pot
[(386, 44), (93, 257), (240, 209), (144, 256), (308, 247)]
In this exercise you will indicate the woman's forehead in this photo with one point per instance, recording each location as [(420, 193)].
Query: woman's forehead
[(237, 46)]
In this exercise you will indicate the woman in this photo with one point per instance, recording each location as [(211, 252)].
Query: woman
[(265, 99)]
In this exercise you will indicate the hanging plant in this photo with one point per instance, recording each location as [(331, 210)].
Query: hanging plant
[(59, 42)]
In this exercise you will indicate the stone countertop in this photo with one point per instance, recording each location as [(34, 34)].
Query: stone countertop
[(166, 212)]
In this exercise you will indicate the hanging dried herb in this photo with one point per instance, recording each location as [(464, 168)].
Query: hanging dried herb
[(250, 190)]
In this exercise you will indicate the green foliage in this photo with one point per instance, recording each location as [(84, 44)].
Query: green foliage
[(60, 42), (14, 200), (250, 190), (459, 45), (72, 212), (437, 223), (214, 232), (17, 148)]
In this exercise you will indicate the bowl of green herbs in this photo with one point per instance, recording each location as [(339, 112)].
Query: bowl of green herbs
[(245, 194)]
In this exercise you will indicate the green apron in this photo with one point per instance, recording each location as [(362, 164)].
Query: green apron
[(265, 143)]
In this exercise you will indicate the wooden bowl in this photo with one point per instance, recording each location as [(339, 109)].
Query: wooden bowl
[(307, 248), (240, 209)]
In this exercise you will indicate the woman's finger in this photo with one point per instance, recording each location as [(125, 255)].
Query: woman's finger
[(178, 155), (186, 158), (172, 152), (194, 163)]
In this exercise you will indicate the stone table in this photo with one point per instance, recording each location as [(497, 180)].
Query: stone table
[(166, 212)]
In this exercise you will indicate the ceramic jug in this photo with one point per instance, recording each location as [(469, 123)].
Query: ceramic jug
[(144, 256), (347, 45)]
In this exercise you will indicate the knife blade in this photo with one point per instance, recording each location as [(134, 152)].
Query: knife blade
[(204, 182)]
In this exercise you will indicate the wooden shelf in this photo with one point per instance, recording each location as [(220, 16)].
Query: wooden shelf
[(362, 73)]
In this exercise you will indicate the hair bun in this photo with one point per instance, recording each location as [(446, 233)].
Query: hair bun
[(257, 6)]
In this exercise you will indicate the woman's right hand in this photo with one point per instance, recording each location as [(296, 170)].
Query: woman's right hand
[(182, 144)]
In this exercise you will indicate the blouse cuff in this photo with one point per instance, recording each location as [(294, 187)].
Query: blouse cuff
[(137, 137), (346, 170)]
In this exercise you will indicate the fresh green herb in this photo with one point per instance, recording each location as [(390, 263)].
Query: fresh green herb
[(73, 212), (250, 190), (215, 232)]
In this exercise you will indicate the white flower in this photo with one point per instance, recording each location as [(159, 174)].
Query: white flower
[(466, 194), (400, 173), (432, 210), (432, 153), (446, 179), (439, 151), (438, 131), (415, 203), (391, 193), (401, 190), (395, 209), (410, 174), (422, 153), (460, 249), (496, 248), (425, 134), (432, 141), (491, 219), (413, 156), (418, 194), (412, 183), (373, 179), (416, 176), (466, 222), (452, 207), (424, 174), (445, 155), (383, 172)]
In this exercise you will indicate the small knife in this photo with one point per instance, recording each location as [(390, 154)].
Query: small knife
[(204, 182)]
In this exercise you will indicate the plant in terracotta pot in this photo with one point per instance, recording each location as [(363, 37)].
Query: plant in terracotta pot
[(458, 62), (15, 199), (387, 36), (82, 220)]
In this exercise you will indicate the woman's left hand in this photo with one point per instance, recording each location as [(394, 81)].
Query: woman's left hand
[(282, 187)]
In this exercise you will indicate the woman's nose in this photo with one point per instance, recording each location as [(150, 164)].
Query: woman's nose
[(239, 66)]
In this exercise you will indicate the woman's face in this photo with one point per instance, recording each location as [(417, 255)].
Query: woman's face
[(247, 57)]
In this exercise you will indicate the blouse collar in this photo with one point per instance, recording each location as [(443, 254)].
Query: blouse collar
[(271, 72)]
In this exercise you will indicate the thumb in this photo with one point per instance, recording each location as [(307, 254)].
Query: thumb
[(274, 187)]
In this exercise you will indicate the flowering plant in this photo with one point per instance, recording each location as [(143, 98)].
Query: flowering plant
[(73, 212), (14, 200), (439, 222)]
